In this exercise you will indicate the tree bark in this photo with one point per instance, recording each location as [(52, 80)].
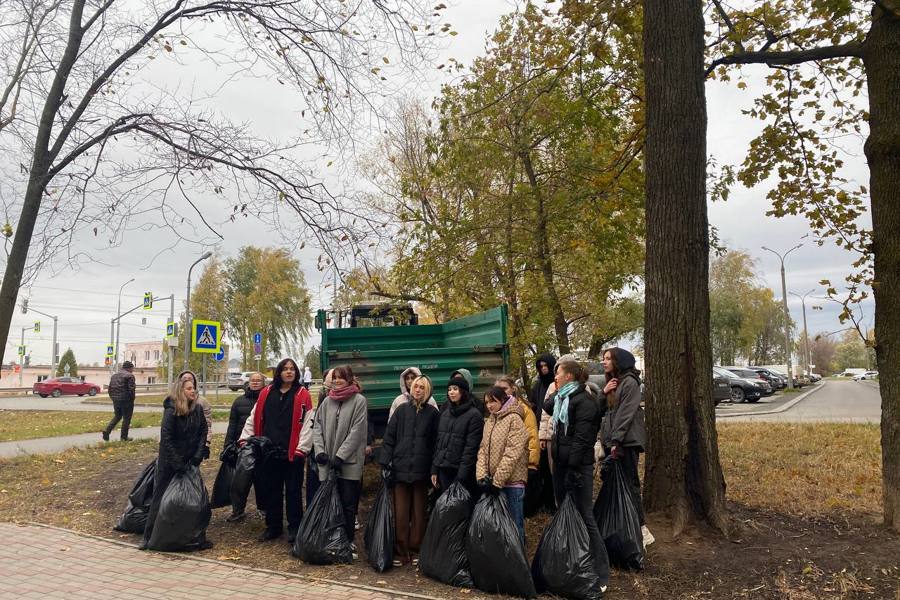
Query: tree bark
[(683, 474), (881, 57)]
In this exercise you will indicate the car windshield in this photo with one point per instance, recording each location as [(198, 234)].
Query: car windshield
[(747, 373), (723, 372)]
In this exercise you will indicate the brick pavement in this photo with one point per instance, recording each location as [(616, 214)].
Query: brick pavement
[(52, 563)]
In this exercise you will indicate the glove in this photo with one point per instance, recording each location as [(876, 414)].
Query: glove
[(486, 485), (616, 453), (336, 463), (322, 458), (573, 480), (387, 474)]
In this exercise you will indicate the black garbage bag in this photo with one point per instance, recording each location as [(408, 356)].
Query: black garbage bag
[(443, 552), (618, 520), (563, 564), (229, 454), (221, 494), (183, 515), (534, 490), (322, 539), (134, 519), (380, 533), (242, 478), (496, 555)]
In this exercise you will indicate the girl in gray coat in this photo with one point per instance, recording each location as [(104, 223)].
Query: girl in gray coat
[(339, 440)]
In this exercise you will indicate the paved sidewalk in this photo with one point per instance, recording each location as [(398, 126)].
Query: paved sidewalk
[(46, 562), (52, 445)]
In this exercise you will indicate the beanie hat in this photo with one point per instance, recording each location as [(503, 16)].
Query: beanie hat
[(459, 382)]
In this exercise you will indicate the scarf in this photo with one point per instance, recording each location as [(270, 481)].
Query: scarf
[(344, 393), (561, 405)]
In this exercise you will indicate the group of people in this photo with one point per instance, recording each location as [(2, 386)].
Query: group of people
[(533, 449)]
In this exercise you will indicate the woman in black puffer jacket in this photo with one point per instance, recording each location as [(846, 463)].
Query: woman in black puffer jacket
[(182, 441), (459, 436), (406, 457)]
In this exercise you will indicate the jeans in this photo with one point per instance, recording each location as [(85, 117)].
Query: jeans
[(584, 503), (349, 490), (284, 480), (123, 411), (515, 502)]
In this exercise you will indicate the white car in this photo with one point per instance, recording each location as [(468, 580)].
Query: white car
[(866, 375), (237, 381)]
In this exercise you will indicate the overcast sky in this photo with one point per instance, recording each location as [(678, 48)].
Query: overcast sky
[(85, 300)]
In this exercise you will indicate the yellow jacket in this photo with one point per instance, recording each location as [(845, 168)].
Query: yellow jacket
[(534, 447)]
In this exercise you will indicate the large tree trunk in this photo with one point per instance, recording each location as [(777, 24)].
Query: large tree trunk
[(882, 61), (683, 474)]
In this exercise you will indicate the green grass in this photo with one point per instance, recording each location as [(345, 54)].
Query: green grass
[(17, 425)]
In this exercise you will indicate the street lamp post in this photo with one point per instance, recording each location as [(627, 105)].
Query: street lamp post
[(115, 362), (54, 351), (787, 316), (187, 311), (806, 354)]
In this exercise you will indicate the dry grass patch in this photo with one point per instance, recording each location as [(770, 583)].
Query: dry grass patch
[(813, 469)]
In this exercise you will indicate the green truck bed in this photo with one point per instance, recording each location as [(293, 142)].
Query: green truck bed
[(379, 354)]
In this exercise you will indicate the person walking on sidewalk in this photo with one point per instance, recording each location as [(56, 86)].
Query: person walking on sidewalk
[(278, 415), (121, 392), (307, 377), (182, 438)]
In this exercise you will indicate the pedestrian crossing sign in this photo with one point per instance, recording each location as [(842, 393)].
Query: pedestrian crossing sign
[(205, 336)]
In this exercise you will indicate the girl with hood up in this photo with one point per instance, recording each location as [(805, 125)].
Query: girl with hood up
[(459, 435), (406, 378), (339, 440), (623, 432)]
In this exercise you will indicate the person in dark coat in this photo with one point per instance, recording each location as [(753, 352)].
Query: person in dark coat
[(545, 367), (406, 457), (121, 392), (182, 441), (575, 426), (459, 436), (241, 409), (623, 432), (278, 415)]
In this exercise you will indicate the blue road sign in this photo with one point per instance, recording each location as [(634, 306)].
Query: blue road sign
[(205, 336), (170, 329), (257, 338), (220, 355)]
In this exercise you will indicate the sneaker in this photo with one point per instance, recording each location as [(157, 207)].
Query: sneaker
[(127, 439), (235, 517), (105, 436), (205, 545), (353, 552), (143, 545), (356, 525), (270, 534), (648, 537)]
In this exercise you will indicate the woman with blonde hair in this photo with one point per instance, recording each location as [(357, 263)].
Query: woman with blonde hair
[(406, 456), (182, 440)]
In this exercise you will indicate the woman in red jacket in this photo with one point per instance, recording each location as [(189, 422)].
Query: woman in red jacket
[(278, 415)]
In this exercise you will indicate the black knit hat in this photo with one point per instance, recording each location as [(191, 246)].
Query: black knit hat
[(459, 382)]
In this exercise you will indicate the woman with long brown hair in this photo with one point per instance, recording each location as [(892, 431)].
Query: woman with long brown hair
[(623, 432), (182, 440)]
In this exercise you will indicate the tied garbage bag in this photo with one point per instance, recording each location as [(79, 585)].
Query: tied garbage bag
[(322, 539), (379, 537), (496, 555), (134, 519), (563, 564), (184, 513), (618, 520), (242, 478), (443, 553), (221, 494)]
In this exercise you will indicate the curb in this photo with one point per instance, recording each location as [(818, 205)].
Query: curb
[(177, 556), (785, 407)]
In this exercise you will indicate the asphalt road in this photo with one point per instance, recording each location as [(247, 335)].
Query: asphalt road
[(829, 401)]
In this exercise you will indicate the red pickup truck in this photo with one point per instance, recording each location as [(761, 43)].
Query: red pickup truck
[(59, 386)]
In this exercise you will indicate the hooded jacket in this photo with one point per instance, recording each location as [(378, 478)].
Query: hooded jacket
[(531, 426), (181, 438), (503, 454), (204, 404), (467, 375), (542, 383), (240, 412), (574, 446), (404, 392), (408, 446), (255, 425), (623, 424), (458, 437)]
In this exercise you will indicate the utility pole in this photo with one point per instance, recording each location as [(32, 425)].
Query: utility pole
[(787, 315), (115, 361), (54, 350), (171, 370), (806, 353), (22, 356), (187, 311)]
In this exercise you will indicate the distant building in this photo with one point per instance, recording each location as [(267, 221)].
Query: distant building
[(10, 378), (146, 355)]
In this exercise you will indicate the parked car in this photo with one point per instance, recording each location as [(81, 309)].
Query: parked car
[(776, 380), (721, 387), (237, 381), (866, 375), (751, 375), (64, 386), (815, 377), (742, 390)]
